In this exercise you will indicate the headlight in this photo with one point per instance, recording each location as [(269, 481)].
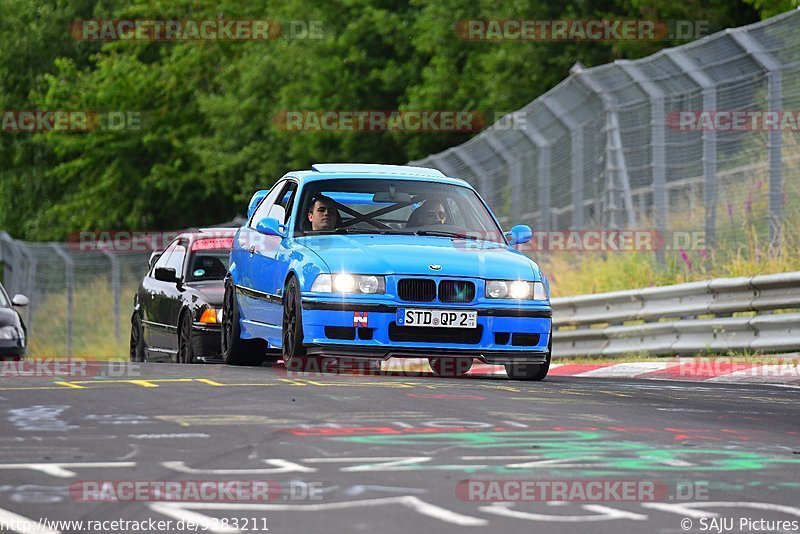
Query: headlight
[(366, 284), (9, 332), (515, 289)]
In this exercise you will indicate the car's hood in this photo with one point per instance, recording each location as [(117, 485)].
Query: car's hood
[(408, 254), (211, 291), (8, 317)]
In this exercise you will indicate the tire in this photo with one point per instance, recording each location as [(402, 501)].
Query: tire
[(235, 350), (138, 350), (292, 349), (535, 371), (185, 349), (450, 367)]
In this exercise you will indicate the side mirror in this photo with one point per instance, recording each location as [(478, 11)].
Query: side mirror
[(153, 259), (166, 274), (270, 226), (20, 300), (254, 201), (519, 234)]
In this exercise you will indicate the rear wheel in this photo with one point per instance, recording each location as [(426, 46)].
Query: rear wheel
[(137, 348), (450, 367), (235, 350), (185, 350), (528, 371)]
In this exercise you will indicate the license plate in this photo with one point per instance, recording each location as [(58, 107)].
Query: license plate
[(437, 318)]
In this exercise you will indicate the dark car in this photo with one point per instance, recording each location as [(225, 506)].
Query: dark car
[(13, 334), (177, 308)]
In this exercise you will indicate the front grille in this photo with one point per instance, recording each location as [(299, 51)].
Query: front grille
[(416, 289), (432, 334), (456, 291)]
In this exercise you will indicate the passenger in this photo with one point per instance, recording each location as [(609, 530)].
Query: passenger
[(431, 212)]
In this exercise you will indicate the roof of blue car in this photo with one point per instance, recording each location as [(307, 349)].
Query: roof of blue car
[(322, 171)]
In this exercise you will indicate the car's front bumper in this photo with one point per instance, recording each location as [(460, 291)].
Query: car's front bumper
[(376, 335), (10, 348), (207, 342)]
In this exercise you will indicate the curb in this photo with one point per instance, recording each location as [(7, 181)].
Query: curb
[(699, 370)]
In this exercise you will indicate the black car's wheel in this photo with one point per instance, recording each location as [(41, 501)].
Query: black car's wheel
[(185, 350), (235, 350), (535, 371), (450, 367), (137, 348), (292, 349)]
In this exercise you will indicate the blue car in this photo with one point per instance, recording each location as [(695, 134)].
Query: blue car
[(371, 262)]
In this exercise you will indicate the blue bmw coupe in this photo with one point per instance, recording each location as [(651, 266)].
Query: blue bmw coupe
[(372, 262)]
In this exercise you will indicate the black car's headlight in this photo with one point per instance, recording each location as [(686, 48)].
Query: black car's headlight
[(9, 332), (515, 289), (366, 284)]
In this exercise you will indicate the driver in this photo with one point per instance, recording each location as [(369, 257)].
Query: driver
[(323, 214)]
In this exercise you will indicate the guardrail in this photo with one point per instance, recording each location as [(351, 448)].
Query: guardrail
[(720, 315)]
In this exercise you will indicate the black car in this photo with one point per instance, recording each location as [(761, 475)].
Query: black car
[(13, 334), (177, 308)]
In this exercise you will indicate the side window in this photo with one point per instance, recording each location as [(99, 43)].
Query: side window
[(267, 203), (164, 258), (283, 208), (175, 260)]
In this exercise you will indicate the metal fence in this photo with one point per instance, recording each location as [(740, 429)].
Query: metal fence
[(715, 316), (80, 300), (605, 149)]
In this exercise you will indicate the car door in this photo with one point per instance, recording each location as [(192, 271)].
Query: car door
[(248, 241), (262, 261), (166, 302), (149, 295), (273, 261)]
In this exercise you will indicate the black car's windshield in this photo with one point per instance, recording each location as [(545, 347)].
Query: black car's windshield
[(208, 265), (385, 206)]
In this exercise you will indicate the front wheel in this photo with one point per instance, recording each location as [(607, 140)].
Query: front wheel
[(450, 367), (185, 350), (531, 371), (137, 348), (235, 350), (292, 349)]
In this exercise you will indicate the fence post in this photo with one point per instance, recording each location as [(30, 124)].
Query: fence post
[(775, 137), (615, 146), (115, 288), (658, 147), (576, 155), (478, 170), (542, 145), (515, 178), (68, 263), (688, 66)]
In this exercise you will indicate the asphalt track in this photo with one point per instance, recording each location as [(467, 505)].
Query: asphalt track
[(385, 453)]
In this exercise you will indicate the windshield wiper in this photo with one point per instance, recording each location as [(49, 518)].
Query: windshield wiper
[(361, 231), (439, 233)]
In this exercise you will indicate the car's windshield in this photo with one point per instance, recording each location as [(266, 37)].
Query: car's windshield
[(208, 265), (3, 300), (396, 207)]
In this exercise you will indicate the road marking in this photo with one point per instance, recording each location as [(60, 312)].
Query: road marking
[(280, 466), (70, 385), (179, 510), (61, 470)]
